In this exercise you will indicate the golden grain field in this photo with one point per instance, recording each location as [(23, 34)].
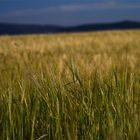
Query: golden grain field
[(79, 86)]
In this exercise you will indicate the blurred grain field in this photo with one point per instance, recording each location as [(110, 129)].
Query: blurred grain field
[(82, 86)]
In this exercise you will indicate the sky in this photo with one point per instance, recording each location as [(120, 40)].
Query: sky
[(68, 12)]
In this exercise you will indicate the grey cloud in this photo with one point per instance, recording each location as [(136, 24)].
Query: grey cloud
[(71, 8), (95, 6)]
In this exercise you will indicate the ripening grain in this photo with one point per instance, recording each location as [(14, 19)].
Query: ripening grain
[(82, 86)]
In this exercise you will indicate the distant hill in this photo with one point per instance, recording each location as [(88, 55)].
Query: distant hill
[(17, 29)]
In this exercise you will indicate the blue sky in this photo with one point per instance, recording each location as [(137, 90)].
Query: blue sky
[(68, 12)]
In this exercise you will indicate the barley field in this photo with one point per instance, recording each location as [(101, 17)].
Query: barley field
[(79, 86)]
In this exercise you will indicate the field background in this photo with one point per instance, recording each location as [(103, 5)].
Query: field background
[(82, 86)]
